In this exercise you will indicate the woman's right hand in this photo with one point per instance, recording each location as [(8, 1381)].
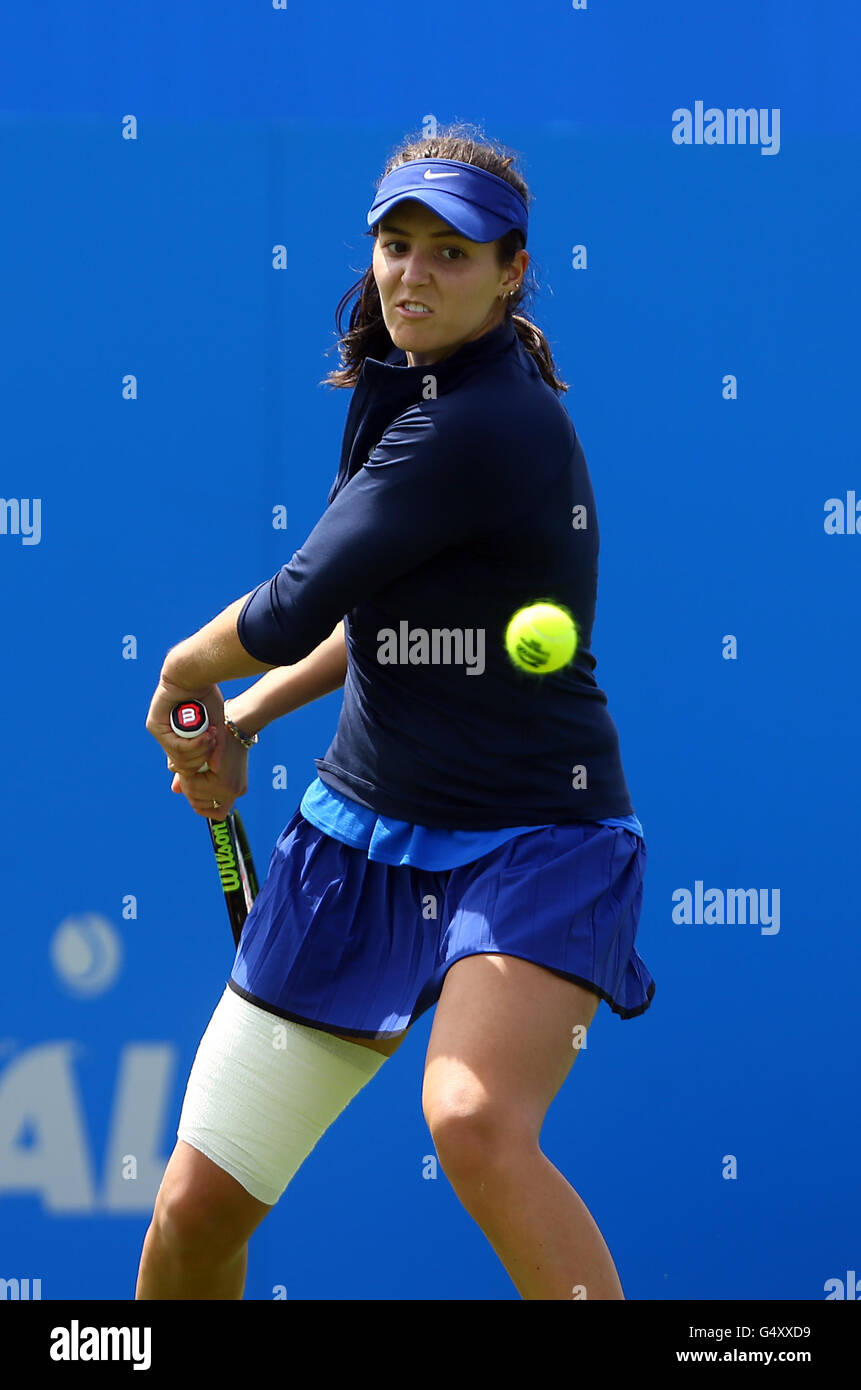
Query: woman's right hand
[(225, 780)]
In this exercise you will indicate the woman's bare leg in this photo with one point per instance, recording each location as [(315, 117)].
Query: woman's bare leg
[(197, 1242), (501, 1045)]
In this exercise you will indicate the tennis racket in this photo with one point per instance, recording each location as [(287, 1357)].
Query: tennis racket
[(190, 719)]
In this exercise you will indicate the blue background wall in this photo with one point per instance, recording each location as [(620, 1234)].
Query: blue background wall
[(153, 257)]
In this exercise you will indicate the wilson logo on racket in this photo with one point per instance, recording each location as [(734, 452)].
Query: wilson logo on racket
[(224, 857), (191, 716)]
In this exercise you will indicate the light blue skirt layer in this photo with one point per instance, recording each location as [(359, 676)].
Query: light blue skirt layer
[(401, 842)]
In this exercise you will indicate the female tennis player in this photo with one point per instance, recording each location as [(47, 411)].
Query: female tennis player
[(469, 841)]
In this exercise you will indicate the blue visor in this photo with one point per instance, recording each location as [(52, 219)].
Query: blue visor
[(475, 203)]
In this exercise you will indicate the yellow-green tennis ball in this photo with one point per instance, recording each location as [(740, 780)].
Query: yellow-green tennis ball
[(541, 638)]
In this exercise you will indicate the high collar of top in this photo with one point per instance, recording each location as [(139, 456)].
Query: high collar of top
[(395, 369)]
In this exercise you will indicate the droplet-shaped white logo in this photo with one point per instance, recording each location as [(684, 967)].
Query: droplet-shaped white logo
[(86, 952)]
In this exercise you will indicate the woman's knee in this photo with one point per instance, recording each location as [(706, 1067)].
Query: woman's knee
[(201, 1210), (475, 1137)]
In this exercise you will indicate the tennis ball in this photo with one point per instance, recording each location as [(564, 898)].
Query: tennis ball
[(541, 638)]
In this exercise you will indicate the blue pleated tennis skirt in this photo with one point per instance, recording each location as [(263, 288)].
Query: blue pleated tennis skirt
[(340, 942)]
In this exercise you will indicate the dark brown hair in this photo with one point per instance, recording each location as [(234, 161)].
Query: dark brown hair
[(367, 335)]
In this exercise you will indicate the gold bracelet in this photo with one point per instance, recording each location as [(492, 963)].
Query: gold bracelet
[(245, 739)]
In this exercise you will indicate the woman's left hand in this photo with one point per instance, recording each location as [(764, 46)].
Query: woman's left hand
[(187, 755)]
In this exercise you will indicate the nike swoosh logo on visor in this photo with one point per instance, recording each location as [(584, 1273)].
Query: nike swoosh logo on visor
[(452, 175)]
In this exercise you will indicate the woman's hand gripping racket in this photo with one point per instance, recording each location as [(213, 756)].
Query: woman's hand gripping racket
[(190, 719)]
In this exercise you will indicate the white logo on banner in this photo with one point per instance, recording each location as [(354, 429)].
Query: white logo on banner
[(44, 1142), (86, 953)]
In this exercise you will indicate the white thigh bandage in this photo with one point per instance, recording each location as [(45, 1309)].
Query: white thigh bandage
[(263, 1090)]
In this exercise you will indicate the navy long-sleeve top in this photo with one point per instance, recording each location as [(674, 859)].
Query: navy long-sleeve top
[(462, 495)]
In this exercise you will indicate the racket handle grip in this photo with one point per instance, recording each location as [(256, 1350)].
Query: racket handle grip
[(190, 719)]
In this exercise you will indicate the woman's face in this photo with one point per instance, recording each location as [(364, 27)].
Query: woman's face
[(419, 257)]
